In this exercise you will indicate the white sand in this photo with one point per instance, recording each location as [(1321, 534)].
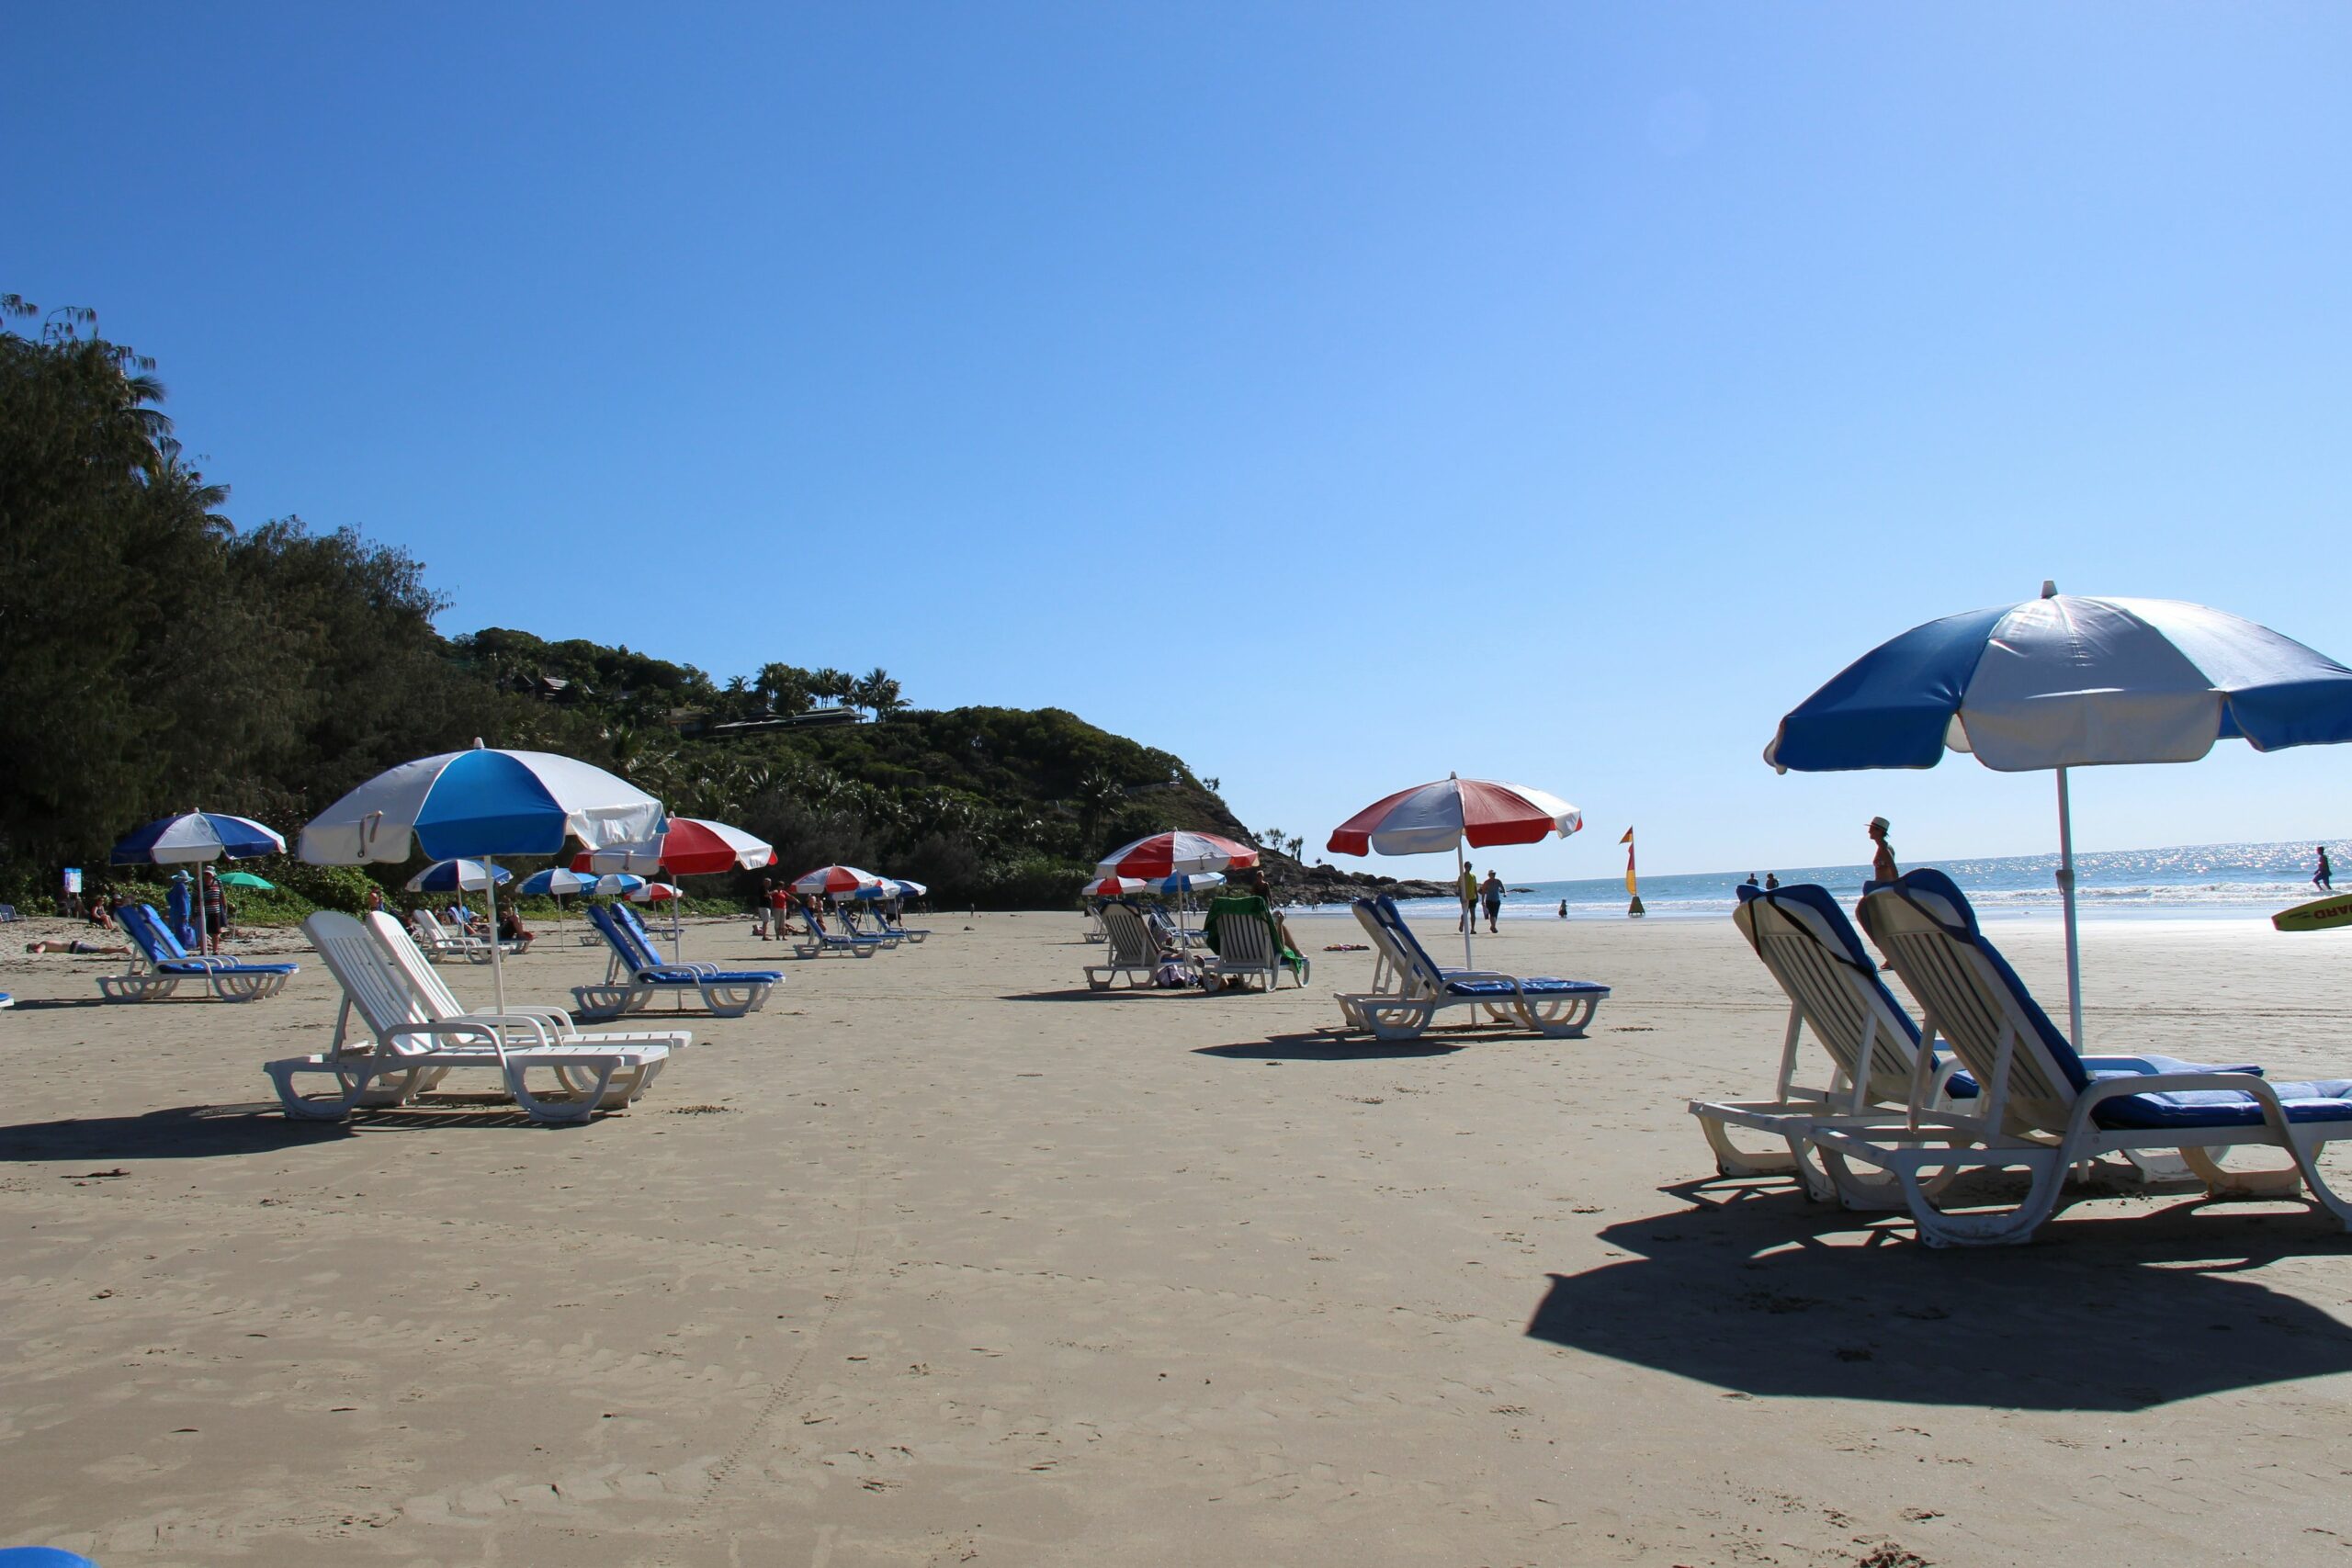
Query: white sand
[(941, 1258)]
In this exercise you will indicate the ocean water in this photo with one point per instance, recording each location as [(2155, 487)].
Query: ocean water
[(2199, 881)]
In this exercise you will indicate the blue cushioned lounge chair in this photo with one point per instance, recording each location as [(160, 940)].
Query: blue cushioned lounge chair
[(1409, 988), (165, 963), (2041, 1107), (823, 939), (636, 974)]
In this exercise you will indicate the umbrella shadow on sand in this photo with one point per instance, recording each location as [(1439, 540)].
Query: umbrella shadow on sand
[(211, 1132), (1319, 1046), (1766, 1294)]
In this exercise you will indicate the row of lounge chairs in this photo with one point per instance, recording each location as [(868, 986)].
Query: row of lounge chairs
[(851, 936), (1238, 944), (2012, 1093), (440, 941)]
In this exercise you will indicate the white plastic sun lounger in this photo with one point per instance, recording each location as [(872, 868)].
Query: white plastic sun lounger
[(2044, 1109), (636, 974), (438, 941), (1836, 996), (1132, 950), (413, 1043), (1409, 988), (164, 964), (1251, 948)]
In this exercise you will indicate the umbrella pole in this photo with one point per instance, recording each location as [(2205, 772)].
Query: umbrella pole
[(2066, 896), (497, 970)]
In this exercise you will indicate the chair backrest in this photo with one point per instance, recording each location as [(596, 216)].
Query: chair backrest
[(146, 928), (644, 939), (1132, 944), (433, 993), (1813, 950), (1923, 923), (1246, 936), (622, 938), (1421, 971), (375, 991)]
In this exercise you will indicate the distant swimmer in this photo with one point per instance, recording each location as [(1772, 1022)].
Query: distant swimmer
[(2323, 879), (1751, 880), (1882, 862), (1564, 909), (1771, 880)]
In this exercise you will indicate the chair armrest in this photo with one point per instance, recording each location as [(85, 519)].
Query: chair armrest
[(501, 1023)]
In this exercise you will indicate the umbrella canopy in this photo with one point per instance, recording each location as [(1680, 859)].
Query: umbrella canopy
[(1166, 854), (1451, 812), (1114, 887), (2067, 681), (558, 882), (247, 879), (458, 876), (689, 846), (907, 889), (481, 802), (833, 879), (1431, 818), (197, 835), (1187, 882), (654, 893)]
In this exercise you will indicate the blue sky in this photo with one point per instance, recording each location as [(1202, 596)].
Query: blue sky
[(1336, 396)]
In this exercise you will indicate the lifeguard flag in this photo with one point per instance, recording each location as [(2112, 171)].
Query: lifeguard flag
[(1628, 842), (1628, 838)]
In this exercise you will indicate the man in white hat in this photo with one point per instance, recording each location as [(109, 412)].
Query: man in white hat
[(1882, 862)]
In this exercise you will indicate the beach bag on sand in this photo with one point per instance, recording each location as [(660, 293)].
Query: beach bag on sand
[(1174, 974)]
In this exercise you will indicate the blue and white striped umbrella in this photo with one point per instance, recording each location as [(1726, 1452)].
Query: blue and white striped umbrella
[(459, 876), (483, 802), (559, 883), (2065, 681), (908, 889), (196, 836), (1187, 882)]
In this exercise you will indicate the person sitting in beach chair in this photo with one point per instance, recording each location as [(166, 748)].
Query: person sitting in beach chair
[(1249, 939)]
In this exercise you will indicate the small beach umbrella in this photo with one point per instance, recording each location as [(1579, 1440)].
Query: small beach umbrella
[(615, 884), (2066, 681), (247, 879), (1114, 887), (197, 836), (1166, 854), (481, 803), (654, 893), (829, 880), (458, 876), (557, 883), (908, 889), (1452, 812)]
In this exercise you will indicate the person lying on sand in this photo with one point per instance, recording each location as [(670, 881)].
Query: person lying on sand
[(79, 948)]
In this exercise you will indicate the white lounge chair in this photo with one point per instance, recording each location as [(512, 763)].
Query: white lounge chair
[(1874, 1050), (636, 974), (415, 1041), (440, 943), (164, 964), (1133, 949), (1410, 989), (2042, 1108)]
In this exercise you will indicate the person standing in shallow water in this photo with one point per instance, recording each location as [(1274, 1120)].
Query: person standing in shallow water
[(2323, 879), (1882, 862)]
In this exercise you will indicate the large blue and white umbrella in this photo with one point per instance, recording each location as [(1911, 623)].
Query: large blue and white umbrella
[(481, 803), (460, 876), (197, 836), (2065, 681)]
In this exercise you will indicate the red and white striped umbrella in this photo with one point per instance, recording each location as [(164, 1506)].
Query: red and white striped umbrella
[(834, 879), (1112, 887), (1170, 854), (654, 893), (1431, 818), (689, 846)]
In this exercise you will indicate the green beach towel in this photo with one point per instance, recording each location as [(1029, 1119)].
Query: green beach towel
[(1236, 906)]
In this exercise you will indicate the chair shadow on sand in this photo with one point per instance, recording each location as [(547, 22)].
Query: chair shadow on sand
[(1764, 1293), (211, 1132)]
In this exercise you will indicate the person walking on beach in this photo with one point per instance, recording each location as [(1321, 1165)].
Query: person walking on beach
[(1491, 891), (1883, 862), (1564, 909), (2323, 879), (1469, 901)]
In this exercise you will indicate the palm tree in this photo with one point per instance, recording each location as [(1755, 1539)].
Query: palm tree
[(879, 692), (830, 684)]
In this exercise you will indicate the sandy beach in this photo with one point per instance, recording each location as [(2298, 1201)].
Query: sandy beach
[(943, 1259)]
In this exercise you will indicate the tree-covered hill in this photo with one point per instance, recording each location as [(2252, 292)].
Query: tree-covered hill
[(159, 657)]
